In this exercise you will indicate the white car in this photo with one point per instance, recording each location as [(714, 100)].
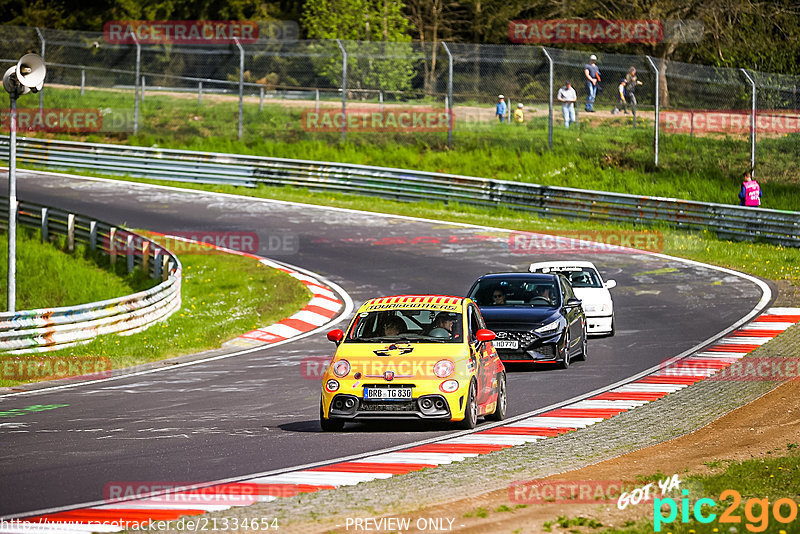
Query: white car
[(590, 288)]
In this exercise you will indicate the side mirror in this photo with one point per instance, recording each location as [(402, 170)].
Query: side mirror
[(484, 335), (610, 283), (336, 336), (573, 303)]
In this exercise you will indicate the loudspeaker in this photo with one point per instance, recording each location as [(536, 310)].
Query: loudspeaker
[(27, 75)]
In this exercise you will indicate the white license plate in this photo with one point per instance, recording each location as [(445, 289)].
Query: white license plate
[(505, 344), (387, 393)]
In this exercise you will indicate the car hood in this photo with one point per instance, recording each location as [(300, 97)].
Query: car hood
[(500, 316)]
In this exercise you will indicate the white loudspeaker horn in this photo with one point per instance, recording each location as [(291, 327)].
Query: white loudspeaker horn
[(30, 72), (10, 80)]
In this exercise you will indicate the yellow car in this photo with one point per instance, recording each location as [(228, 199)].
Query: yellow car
[(414, 357)]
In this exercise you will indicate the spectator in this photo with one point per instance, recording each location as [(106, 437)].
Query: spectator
[(592, 74), (631, 81), (750, 193), (568, 97), (501, 110), (519, 115), (622, 104)]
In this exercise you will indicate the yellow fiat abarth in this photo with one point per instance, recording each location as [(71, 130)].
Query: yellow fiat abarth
[(414, 357)]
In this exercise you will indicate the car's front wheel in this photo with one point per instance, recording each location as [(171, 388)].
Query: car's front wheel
[(564, 363), (329, 425), (502, 400), (471, 409)]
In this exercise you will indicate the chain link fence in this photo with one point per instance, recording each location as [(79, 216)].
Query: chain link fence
[(437, 94)]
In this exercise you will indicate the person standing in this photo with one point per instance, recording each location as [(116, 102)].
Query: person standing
[(567, 97), (592, 74), (622, 104), (750, 193), (631, 81), (500, 111), (519, 115)]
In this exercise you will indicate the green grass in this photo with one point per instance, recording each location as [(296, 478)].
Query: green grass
[(608, 156), (772, 478), (223, 296), (47, 277)]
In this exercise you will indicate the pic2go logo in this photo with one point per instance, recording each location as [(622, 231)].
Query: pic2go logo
[(756, 511)]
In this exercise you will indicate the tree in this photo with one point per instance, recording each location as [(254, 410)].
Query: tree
[(379, 46)]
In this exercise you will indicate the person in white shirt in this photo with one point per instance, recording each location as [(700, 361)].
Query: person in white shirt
[(568, 97)]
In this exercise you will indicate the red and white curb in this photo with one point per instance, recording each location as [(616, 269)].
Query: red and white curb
[(113, 517)]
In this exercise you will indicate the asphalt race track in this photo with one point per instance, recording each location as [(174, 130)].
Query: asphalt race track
[(256, 412)]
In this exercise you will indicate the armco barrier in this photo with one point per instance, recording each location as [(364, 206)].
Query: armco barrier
[(55, 328), (727, 221)]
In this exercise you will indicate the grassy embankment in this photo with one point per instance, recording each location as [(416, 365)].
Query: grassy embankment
[(218, 299), (606, 155)]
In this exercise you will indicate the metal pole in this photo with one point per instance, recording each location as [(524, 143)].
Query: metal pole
[(380, 101), (316, 100), (549, 101), (344, 88), (144, 87), (41, 93), (657, 126), (199, 93), (83, 80), (752, 123), (241, 86), (450, 112), (261, 99), (12, 207), (136, 84)]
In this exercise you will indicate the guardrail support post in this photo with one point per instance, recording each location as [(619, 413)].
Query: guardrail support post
[(241, 86), (93, 235), (157, 264), (70, 232), (549, 100), (164, 267), (129, 252), (344, 88), (45, 233), (146, 257), (752, 122), (657, 125), (450, 112), (112, 245)]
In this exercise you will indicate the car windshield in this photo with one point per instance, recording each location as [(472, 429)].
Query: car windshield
[(516, 292), (407, 325), (577, 276)]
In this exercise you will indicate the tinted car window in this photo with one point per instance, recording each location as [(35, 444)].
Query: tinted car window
[(516, 292)]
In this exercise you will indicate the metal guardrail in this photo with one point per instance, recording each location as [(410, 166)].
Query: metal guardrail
[(727, 221), (55, 328)]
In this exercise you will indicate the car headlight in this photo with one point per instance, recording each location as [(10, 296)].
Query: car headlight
[(443, 368), (341, 368), (549, 327)]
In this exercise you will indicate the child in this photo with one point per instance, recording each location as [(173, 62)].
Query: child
[(622, 104), (519, 115)]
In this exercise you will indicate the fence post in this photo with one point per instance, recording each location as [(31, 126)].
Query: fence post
[(129, 251), (450, 112), (70, 232), (380, 101), (344, 87), (549, 100), (41, 91), (752, 122), (144, 86), (316, 102), (83, 80), (136, 84), (199, 93), (93, 235), (112, 245), (261, 99), (657, 125), (241, 86)]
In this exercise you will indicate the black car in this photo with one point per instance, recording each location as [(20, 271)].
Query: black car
[(536, 317)]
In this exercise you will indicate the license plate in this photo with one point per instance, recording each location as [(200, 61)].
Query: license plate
[(387, 393), (505, 344)]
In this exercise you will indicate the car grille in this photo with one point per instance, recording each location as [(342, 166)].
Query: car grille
[(525, 338), (387, 406)]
